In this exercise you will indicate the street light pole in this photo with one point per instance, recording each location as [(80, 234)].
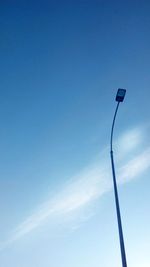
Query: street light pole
[(119, 98)]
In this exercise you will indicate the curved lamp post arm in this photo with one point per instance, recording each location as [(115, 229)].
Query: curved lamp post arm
[(112, 128)]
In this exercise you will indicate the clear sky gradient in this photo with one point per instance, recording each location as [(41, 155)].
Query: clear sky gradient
[(61, 65)]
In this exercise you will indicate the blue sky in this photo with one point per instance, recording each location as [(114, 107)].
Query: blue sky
[(61, 64)]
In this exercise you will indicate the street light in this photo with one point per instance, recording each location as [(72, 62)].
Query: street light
[(119, 98)]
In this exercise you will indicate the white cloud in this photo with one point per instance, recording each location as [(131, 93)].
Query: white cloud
[(129, 141), (136, 166), (82, 189)]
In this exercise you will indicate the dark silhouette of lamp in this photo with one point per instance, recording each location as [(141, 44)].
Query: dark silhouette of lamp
[(119, 98)]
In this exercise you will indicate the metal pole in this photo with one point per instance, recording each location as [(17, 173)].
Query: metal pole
[(121, 239)]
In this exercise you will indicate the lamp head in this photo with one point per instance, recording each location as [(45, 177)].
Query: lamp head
[(120, 95)]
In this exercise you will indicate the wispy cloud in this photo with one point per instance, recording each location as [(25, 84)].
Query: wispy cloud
[(135, 167), (130, 140), (84, 188), (81, 190)]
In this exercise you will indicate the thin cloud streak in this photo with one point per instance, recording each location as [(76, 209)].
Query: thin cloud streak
[(135, 167), (89, 186), (83, 188)]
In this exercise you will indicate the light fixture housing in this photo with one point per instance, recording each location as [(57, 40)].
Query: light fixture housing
[(120, 95)]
